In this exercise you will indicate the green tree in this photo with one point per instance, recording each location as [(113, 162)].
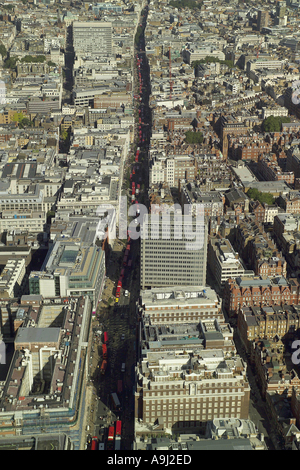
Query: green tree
[(191, 4), (18, 117), (138, 34), (11, 63), (25, 122), (33, 59), (193, 137), (212, 60), (3, 50), (273, 123), (64, 135), (256, 195)]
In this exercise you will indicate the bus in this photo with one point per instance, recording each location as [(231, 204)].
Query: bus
[(118, 435), (110, 438), (118, 427), (103, 367), (118, 292), (104, 351), (94, 443), (105, 337), (111, 433), (115, 402)]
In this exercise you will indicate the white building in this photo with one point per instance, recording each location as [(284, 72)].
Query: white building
[(224, 262), (11, 278), (92, 38)]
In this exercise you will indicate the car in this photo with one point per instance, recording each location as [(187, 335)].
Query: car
[(122, 337), (126, 293)]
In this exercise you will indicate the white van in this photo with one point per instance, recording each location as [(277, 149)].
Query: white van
[(123, 367)]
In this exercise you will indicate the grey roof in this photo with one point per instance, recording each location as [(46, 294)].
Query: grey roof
[(37, 335), (205, 444)]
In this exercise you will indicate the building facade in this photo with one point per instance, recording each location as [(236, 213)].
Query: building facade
[(173, 251), (181, 391), (92, 38)]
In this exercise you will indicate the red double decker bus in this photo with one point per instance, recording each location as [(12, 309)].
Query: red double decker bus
[(118, 435), (103, 366), (105, 337), (110, 438), (94, 443)]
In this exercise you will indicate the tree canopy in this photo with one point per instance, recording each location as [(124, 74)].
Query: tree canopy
[(211, 59), (267, 198), (22, 120), (10, 63), (193, 137), (192, 4), (3, 50), (273, 123), (33, 59)]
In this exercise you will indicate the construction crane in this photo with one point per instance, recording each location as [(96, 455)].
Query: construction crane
[(170, 73)]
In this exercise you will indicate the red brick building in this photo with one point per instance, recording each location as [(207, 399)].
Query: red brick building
[(271, 171), (259, 292)]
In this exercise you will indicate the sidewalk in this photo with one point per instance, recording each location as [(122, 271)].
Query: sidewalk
[(86, 421)]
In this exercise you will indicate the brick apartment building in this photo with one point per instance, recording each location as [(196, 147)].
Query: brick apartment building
[(180, 391), (266, 323), (271, 370), (257, 248), (271, 171), (258, 292), (263, 212), (248, 150), (290, 202), (229, 129)]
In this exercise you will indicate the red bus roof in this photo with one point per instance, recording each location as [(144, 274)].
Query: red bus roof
[(94, 443), (105, 337), (118, 427), (111, 433)]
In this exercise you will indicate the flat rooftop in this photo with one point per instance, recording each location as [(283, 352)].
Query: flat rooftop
[(190, 295), (37, 335)]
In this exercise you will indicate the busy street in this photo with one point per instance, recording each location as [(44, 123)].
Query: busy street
[(115, 328)]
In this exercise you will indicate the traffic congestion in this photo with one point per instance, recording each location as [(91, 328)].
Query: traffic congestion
[(117, 344)]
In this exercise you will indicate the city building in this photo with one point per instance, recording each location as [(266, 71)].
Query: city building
[(75, 262), (183, 391), (11, 278), (224, 262), (262, 19), (92, 38), (267, 322), (173, 250), (43, 389), (176, 304), (259, 291)]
